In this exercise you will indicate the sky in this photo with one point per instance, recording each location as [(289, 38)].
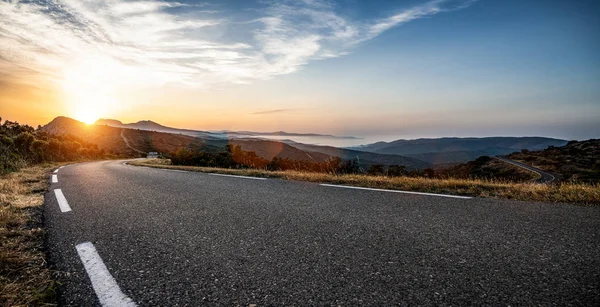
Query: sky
[(375, 69)]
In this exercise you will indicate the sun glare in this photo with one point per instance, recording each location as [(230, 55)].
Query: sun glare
[(87, 116), (90, 87)]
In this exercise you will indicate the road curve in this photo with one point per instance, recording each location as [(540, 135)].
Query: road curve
[(545, 177), (172, 238)]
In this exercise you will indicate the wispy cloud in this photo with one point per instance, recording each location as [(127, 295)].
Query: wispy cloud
[(271, 111), (119, 43)]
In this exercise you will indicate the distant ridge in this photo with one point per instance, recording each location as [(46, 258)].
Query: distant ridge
[(153, 126), (149, 136), (458, 150)]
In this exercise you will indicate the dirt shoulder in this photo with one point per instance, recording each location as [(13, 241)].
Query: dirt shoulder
[(25, 279)]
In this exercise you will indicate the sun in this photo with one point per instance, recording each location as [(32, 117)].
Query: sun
[(88, 111), (90, 86), (87, 117)]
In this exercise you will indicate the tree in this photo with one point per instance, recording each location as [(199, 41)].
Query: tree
[(429, 172), (376, 170), (396, 170)]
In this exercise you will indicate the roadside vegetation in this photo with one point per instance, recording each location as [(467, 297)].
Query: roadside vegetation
[(22, 145), (575, 193), (25, 279), (27, 156)]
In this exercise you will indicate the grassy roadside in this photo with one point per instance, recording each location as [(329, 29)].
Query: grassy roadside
[(581, 194), (25, 279)]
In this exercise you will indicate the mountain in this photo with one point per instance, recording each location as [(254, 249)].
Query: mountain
[(112, 139), (365, 158), (153, 126), (266, 148), (271, 149), (111, 135), (457, 150), (149, 125), (63, 125)]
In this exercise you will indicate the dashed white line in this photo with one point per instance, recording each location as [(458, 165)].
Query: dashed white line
[(56, 170), (236, 176), (105, 286), (394, 191), (62, 201), (54, 178)]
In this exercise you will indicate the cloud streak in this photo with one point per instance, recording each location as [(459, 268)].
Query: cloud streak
[(117, 44)]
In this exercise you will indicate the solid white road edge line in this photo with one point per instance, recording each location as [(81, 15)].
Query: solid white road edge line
[(395, 191), (54, 178), (176, 170), (104, 284), (56, 170), (236, 176), (62, 201)]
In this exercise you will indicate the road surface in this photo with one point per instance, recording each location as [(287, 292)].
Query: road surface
[(545, 177), (152, 237)]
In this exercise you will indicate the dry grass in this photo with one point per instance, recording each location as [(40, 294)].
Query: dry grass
[(24, 277), (582, 194)]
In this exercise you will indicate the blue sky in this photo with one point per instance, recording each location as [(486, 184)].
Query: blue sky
[(392, 69)]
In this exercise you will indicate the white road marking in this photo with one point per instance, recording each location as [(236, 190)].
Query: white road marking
[(54, 178), (104, 284), (236, 176), (394, 191), (124, 163), (62, 201), (176, 170), (61, 167), (56, 170)]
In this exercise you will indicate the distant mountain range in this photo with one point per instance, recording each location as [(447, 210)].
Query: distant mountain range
[(414, 154), (458, 150), (149, 136), (153, 126)]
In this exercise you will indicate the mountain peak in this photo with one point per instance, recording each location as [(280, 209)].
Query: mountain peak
[(109, 122), (61, 124)]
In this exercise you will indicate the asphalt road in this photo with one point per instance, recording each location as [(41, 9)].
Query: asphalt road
[(545, 177), (190, 239)]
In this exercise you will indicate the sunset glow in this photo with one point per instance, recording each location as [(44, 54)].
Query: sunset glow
[(425, 68)]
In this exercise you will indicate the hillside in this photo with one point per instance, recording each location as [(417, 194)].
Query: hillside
[(107, 138), (271, 149), (365, 158), (153, 126), (110, 139), (148, 125), (577, 161), (268, 149), (456, 150), (486, 168)]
